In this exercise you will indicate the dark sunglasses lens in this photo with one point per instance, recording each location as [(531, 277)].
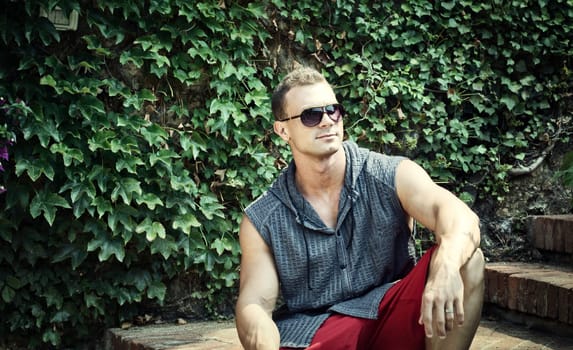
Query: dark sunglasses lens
[(312, 116), (331, 109), (334, 112)]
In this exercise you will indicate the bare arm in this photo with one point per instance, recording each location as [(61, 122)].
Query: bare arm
[(258, 292), (456, 228)]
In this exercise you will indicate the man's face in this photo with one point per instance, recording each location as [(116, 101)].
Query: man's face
[(321, 140)]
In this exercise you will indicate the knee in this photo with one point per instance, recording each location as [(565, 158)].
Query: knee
[(473, 271)]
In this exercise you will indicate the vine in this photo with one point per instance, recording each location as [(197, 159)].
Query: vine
[(146, 132)]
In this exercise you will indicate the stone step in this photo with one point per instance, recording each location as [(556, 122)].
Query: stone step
[(534, 289), (552, 233), (206, 335), (493, 333)]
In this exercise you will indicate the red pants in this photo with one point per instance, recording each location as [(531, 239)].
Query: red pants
[(397, 326)]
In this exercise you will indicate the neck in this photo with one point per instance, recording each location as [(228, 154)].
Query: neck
[(320, 176)]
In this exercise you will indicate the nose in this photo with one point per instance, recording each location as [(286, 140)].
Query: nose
[(327, 118)]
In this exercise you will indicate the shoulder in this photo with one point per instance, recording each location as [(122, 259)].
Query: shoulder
[(372, 158), (264, 212), (261, 207), (384, 167)]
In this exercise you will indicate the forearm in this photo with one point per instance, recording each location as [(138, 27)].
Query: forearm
[(256, 329), (458, 237)]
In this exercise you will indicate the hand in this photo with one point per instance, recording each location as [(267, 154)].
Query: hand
[(442, 302)]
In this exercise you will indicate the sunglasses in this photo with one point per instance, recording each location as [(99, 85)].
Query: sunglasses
[(312, 116)]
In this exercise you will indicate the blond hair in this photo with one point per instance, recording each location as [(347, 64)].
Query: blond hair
[(299, 77)]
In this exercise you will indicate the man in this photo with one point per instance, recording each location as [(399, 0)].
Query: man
[(333, 234)]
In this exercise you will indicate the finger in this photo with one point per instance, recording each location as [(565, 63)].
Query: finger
[(440, 320), (426, 316), (459, 309), (449, 313)]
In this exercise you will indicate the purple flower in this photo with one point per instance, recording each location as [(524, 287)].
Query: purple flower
[(4, 152), (2, 189)]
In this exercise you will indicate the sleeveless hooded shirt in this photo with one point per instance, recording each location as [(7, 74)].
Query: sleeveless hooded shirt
[(346, 269)]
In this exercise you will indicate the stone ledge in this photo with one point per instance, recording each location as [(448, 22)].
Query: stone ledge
[(493, 333), (191, 336), (551, 232), (535, 289)]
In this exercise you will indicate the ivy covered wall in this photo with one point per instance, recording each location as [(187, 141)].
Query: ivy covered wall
[(133, 143)]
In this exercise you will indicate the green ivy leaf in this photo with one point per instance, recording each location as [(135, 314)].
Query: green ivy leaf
[(194, 144), (103, 206), (8, 294), (69, 154), (152, 229), (149, 199), (92, 300), (47, 203), (156, 290), (34, 169), (509, 102), (138, 278), (45, 130), (154, 134), (166, 247), (222, 107), (128, 163), (208, 259), (73, 252), (211, 207), (222, 245), (125, 189), (13, 282), (107, 247), (164, 157), (123, 214), (60, 316), (186, 222), (137, 99)]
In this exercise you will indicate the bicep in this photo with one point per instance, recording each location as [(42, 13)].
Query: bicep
[(422, 198), (258, 275)]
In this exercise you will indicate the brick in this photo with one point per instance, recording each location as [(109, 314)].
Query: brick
[(563, 302), (552, 232), (535, 292), (513, 293), (499, 278), (538, 291), (523, 295), (570, 320), (524, 289), (502, 291), (544, 300), (533, 232), (192, 336), (559, 234), (491, 288), (568, 302), (568, 241), (553, 297), (540, 306), (549, 236), (532, 288)]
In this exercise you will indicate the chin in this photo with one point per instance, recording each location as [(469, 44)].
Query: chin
[(330, 149)]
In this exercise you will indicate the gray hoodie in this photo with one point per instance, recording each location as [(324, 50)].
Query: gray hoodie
[(344, 270)]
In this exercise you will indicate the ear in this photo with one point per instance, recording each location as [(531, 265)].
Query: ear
[(281, 130)]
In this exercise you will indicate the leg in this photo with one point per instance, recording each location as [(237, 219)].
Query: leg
[(461, 337), (340, 332), (397, 326)]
